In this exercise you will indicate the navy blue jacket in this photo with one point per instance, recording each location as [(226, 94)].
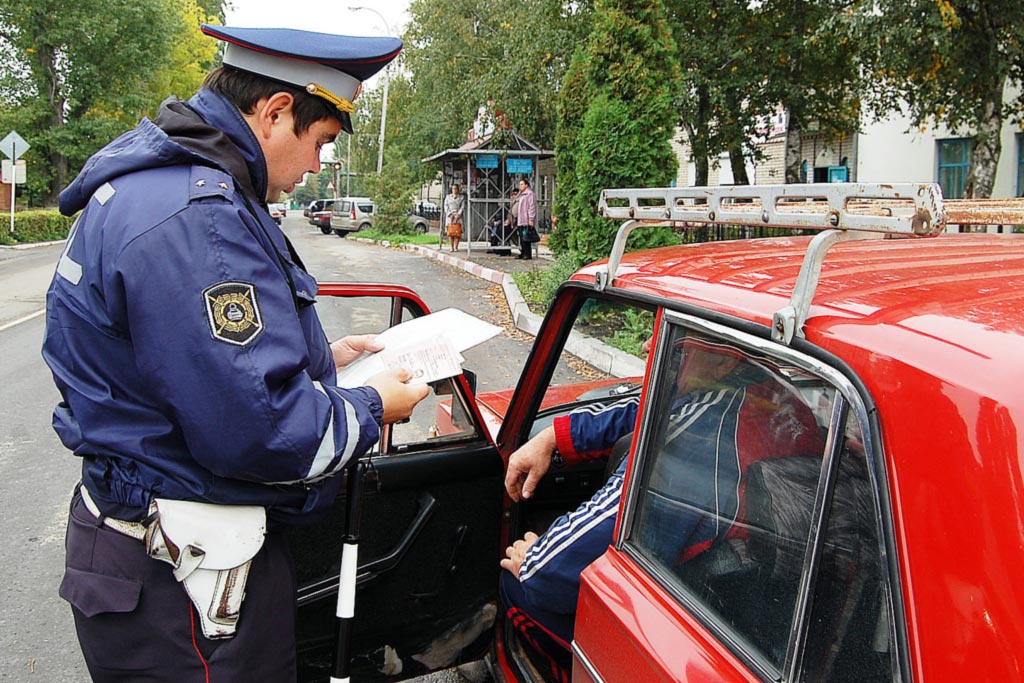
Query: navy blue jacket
[(181, 331)]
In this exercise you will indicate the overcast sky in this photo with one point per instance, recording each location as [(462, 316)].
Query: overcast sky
[(325, 16)]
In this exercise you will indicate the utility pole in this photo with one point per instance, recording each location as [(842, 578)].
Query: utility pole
[(387, 79)]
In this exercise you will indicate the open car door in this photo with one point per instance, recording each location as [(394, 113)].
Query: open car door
[(429, 530)]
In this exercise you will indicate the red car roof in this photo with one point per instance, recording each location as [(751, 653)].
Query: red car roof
[(963, 290)]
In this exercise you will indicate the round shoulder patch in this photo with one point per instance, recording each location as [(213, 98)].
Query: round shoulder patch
[(233, 312)]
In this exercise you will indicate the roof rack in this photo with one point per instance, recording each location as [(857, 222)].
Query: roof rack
[(843, 211)]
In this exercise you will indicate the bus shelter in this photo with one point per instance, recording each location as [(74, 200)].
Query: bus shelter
[(487, 169)]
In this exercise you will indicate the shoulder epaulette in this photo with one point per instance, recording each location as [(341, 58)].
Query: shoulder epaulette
[(209, 182)]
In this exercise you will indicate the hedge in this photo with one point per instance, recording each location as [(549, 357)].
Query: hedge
[(36, 225)]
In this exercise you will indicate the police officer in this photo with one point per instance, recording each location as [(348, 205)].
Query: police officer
[(198, 386)]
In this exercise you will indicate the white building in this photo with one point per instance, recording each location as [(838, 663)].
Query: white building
[(890, 150)]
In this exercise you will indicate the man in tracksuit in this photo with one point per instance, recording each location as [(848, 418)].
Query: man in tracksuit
[(193, 368), (729, 412)]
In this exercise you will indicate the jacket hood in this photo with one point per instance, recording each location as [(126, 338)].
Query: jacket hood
[(207, 130)]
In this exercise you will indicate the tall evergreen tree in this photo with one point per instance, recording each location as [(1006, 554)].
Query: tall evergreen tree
[(615, 121)]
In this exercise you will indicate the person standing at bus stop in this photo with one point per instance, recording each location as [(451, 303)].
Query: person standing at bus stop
[(197, 384), (526, 219), (454, 210)]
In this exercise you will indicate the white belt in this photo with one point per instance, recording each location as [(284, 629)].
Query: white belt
[(211, 552), (133, 529)]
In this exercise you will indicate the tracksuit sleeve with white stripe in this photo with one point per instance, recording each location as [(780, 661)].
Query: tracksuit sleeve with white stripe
[(550, 574)]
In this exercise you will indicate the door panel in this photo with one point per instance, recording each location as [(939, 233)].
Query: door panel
[(629, 629), (428, 539)]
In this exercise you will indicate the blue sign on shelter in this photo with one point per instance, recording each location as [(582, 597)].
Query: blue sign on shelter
[(519, 166), (487, 161)]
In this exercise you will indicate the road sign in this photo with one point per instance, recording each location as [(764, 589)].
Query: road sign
[(13, 146), (13, 172)]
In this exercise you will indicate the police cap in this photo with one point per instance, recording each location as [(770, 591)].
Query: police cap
[(329, 66)]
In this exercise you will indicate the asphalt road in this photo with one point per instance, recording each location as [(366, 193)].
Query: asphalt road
[(37, 474)]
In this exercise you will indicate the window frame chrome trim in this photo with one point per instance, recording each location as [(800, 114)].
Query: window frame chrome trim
[(577, 652)]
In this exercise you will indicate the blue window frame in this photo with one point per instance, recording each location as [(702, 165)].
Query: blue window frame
[(954, 163)]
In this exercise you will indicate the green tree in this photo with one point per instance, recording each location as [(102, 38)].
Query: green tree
[(462, 54), (84, 72), (950, 62), (310, 189), (192, 54), (393, 190), (403, 171), (811, 52), (615, 122), (724, 95)]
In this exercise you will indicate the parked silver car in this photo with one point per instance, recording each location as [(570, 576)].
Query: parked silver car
[(351, 214)]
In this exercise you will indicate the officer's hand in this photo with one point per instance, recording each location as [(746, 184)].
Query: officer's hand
[(529, 464), (398, 397), (347, 349), (516, 553)]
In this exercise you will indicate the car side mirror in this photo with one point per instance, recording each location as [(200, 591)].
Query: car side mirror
[(444, 387)]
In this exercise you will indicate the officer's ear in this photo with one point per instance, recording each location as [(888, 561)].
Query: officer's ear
[(272, 112)]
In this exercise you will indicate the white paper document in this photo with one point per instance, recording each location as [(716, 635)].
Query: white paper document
[(429, 347)]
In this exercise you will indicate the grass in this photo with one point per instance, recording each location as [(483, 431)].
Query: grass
[(622, 328), (396, 238), (538, 287)]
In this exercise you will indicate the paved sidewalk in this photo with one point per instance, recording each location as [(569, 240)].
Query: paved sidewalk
[(474, 259), (497, 269)]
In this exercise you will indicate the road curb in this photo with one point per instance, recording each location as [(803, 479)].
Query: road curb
[(30, 245), (521, 316)]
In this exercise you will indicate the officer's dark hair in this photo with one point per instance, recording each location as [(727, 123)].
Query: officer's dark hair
[(244, 89)]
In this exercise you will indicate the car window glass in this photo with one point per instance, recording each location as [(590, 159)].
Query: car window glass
[(731, 458), (602, 359), (366, 208), (850, 635), (441, 417)]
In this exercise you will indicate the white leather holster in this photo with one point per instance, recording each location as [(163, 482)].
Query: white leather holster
[(210, 548)]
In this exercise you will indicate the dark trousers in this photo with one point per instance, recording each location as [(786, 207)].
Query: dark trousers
[(525, 245), (548, 634), (136, 624)]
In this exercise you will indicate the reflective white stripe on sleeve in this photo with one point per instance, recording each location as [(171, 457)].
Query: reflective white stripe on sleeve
[(66, 268), (351, 436), (324, 454)]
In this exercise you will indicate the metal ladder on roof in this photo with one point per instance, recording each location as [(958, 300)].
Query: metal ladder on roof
[(841, 211)]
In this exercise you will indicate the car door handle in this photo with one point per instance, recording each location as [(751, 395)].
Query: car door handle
[(426, 504), (328, 586)]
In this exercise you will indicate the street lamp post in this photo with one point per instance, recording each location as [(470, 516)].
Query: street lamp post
[(337, 169), (387, 78), (348, 168)]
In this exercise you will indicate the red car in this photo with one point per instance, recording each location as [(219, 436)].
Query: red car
[(322, 220), (891, 551)]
